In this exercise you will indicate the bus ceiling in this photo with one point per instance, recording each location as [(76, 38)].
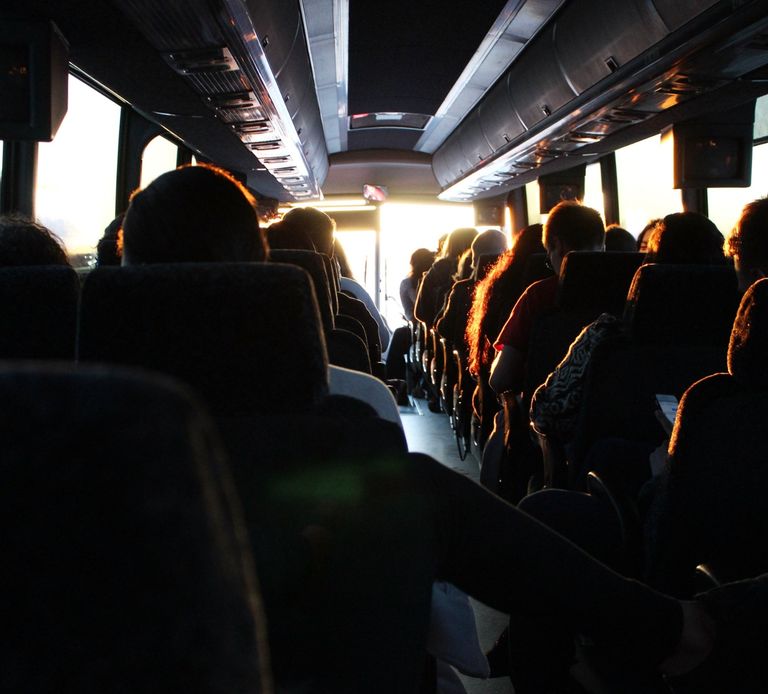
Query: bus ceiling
[(321, 96)]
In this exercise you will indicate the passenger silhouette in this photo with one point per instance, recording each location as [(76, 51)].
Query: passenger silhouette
[(395, 525), (175, 219), (24, 242), (569, 227), (747, 244), (439, 279), (619, 239)]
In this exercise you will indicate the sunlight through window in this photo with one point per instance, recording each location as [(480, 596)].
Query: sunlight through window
[(644, 172), (158, 157), (75, 190)]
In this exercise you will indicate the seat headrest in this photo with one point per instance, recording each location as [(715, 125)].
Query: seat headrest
[(597, 280), (748, 349), (682, 305), (122, 566), (246, 336)]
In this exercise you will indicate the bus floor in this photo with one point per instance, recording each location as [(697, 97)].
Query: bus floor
[(429, 432)]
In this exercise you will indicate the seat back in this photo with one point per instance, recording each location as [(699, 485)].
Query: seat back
[(247, 336), (39, 312), (592, 283), (710, 508), (597, 281), (682, 304), (313, 263), (122, 564)]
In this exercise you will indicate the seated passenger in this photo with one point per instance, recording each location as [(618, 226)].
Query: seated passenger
[(319, 229), (680, 238), (174, 220), (748, 243), (495, 295), (570, 227), (439, 279), (389, 530), (619, 239), (421, 261), (452, 323), (24, 242), (645, 235)]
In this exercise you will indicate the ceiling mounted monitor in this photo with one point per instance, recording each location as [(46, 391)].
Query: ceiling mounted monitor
[(33, 80)]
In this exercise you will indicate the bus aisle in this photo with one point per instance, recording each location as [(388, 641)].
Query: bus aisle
[(430, 433)]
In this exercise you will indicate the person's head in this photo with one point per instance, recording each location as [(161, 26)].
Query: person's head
[(421, 261), (686, 237), (441, 244), (491, 242), (747, 244), (107, 249), (572, 226), (619, 239), (24, 242), (192, 214), (317, 225), (463, 267), (459, 240), (645, 235), (280, 235)]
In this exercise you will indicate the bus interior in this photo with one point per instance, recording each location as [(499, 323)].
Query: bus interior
[(402, 121)]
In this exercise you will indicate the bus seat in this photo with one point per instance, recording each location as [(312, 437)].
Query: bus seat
[(593, 282), (343, 349), (682, 304), (313, 264), (711, 504), (355, 308), (39, 312), (247, 336), (123, 567), (676, 321), (347, 349)]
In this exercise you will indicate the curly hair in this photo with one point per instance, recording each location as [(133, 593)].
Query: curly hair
[(748, 242), (25, 242), (495, 295)]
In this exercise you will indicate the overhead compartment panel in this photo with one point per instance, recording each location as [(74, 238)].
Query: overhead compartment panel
[(277, 24), (474, 146), (594, 38), (498, 118), (537, 85), (675, 13)]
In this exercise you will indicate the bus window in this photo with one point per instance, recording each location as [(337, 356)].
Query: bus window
[(593, 189), (75, 190), (761, 119), (725, 203), (404, 228), (644, 172), (158, 157), (534, 205)]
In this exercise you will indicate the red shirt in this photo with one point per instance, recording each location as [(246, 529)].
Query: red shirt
[(538, 298)]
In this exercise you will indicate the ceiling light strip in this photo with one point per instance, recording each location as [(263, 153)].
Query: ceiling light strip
[(240, 34)]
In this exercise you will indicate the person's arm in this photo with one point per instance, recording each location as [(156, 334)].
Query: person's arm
[(507, 370)]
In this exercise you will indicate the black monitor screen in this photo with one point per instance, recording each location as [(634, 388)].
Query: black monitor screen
[(14, 84), (713, 158)]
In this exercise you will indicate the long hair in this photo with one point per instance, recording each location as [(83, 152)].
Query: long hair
[(495, 295)]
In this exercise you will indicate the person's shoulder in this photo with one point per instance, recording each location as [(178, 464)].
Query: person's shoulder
[(541, 288)]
